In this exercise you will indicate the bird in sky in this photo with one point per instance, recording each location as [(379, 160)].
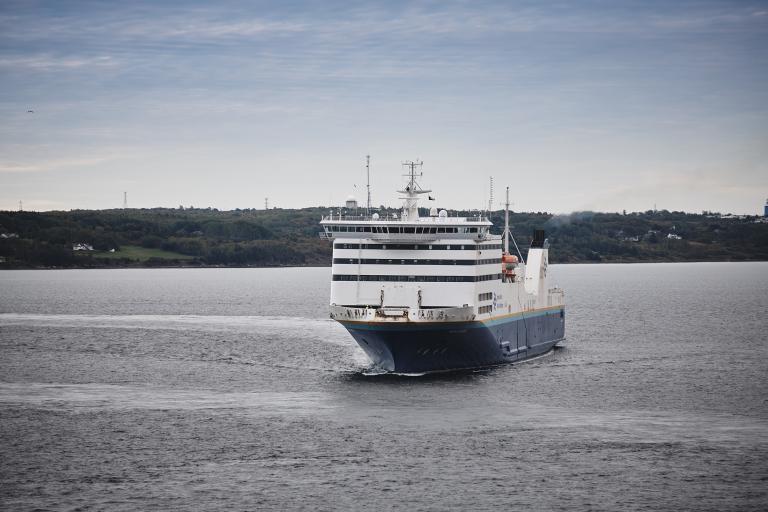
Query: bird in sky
[(30, 111)]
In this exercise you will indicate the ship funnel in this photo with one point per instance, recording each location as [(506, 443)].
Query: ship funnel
[(536, 264)]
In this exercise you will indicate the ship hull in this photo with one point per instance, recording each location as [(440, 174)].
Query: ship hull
[(424, 347)]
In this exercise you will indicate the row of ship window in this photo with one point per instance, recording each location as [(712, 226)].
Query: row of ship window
[(384, 261), (419, 247), (399, 229), (485, 296), (484, 309), (417, 279)]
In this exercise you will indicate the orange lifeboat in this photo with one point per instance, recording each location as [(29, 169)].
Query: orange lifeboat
[(508, 264)]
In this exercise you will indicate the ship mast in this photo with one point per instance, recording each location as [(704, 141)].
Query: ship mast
[(412, 191), (506, 224), (507, 232), (368, 185)]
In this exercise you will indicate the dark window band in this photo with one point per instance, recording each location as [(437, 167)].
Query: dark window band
[(418, 279), (419, 230), (418, 247), (393, 261)]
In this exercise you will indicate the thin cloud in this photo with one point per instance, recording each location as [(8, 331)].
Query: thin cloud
[(50, 63), (55, 165)]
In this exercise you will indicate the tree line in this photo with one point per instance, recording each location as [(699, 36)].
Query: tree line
[(199, 237)]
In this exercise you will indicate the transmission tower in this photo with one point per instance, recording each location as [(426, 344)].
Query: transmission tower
[(125, 200)]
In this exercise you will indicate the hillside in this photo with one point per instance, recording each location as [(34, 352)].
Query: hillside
[(279, 237)]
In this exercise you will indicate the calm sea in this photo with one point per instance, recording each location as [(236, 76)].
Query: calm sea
[(230, 389)]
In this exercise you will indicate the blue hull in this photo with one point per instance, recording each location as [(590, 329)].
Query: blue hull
[(434, 347)]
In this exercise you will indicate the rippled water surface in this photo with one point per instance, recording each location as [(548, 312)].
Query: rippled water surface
[(230, 389)]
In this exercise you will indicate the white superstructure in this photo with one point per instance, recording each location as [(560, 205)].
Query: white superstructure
[(438, 267)]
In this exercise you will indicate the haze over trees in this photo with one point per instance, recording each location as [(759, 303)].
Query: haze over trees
[(283, 237)]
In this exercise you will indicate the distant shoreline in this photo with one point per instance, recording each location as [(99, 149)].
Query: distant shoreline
[(167, 238), (151, 267)]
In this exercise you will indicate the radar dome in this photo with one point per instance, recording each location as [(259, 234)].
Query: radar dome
[(443, 214), (433, 212), (375, 216)]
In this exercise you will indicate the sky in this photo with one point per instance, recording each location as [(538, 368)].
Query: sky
[(592, 105)]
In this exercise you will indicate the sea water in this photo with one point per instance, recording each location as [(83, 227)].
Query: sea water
[(231, 389)]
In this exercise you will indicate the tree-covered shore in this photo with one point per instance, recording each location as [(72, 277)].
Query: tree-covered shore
[(281, 237)]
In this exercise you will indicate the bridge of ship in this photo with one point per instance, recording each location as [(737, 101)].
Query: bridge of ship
[(391, 228)]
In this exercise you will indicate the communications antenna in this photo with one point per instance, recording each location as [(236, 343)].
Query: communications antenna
[(368, 186), (20, 209), (490, 199), (125, 200)]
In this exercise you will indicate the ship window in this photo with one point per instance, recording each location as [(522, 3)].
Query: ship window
[(441, 230), (442, 279), (473, 230)]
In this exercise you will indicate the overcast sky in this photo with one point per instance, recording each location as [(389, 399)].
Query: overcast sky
[(576, 105)]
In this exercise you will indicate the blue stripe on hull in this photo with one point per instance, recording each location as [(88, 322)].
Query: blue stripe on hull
[(440, 347)]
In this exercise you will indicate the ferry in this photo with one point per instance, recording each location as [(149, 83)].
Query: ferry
[(436, 293)]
